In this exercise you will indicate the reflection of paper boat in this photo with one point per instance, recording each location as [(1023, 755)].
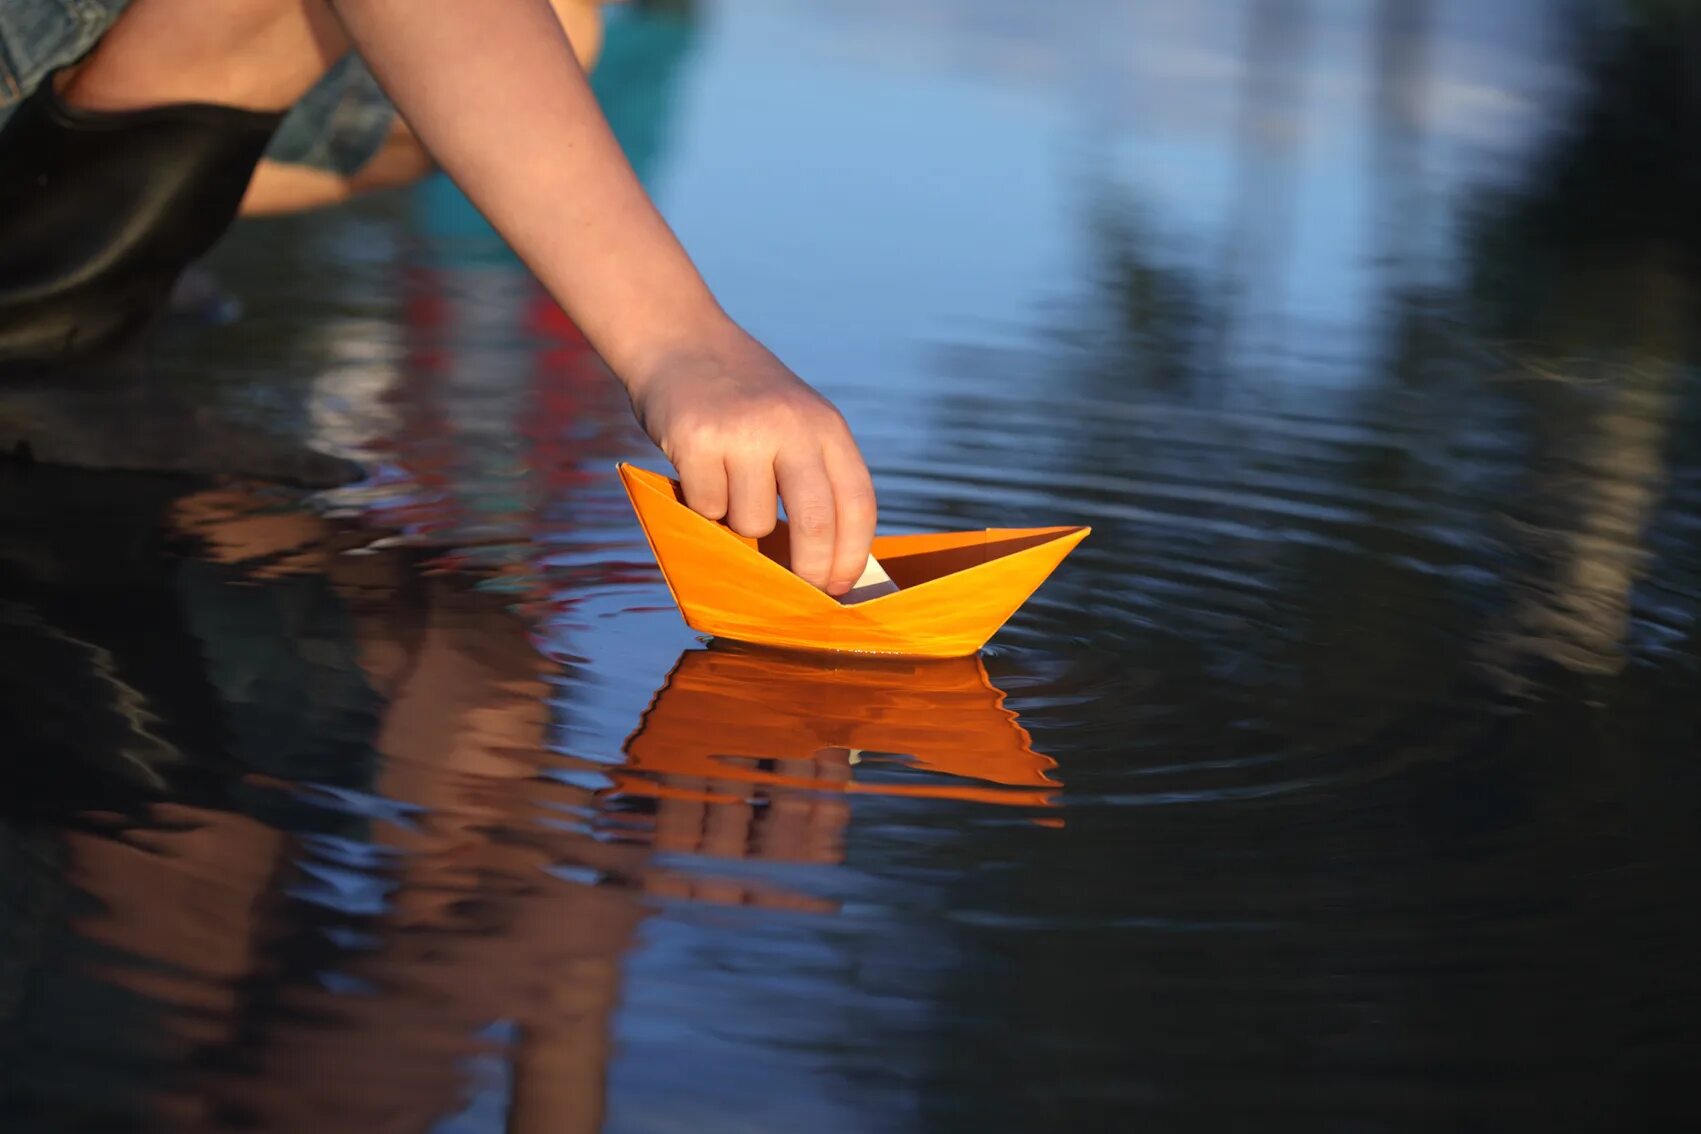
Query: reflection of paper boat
[(731, 715), (955, 588)]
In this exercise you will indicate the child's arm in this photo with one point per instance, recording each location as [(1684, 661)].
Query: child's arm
[(494, 92)]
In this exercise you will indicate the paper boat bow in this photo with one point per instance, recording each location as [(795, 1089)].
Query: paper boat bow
[(955, 588)]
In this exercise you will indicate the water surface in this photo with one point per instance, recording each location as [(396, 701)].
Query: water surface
[(1345, 779)]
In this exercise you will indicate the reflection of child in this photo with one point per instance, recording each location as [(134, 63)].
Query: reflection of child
[(144, 148)]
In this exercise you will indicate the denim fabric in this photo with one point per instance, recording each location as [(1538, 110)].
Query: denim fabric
[(38, 35), (337, 126)]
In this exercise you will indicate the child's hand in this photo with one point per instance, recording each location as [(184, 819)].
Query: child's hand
[(740, 428)]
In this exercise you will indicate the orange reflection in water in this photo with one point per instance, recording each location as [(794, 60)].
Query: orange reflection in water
[(730, 717)]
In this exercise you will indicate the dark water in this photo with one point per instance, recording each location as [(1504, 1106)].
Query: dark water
[(1346, 779)]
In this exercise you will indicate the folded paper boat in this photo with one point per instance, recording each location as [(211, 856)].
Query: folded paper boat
[(955, 588)]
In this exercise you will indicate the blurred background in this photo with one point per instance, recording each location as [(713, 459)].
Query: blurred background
[(1345, 779)]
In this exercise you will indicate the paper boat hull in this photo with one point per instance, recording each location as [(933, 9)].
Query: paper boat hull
[(956, 588)]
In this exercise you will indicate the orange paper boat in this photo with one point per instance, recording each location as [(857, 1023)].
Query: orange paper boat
[(732, 717), (955, 588)]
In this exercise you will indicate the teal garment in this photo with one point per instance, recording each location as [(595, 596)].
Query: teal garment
[(638, 80)]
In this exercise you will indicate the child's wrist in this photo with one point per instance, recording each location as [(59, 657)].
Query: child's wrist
[(676, 345)]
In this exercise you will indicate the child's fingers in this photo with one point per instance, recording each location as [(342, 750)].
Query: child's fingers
[(853, 494), (810, 512), (750, 504), (704, 482)]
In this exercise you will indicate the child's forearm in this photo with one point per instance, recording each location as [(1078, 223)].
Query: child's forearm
[(494, 92)]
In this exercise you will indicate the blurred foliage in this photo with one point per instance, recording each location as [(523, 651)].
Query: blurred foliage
[(1615, 190)]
